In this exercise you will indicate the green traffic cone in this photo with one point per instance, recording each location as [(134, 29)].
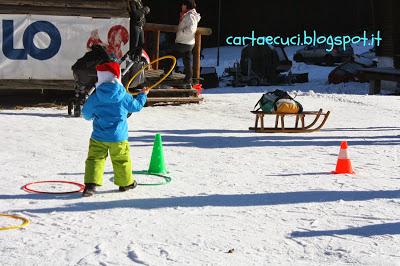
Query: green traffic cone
[(157, 164)]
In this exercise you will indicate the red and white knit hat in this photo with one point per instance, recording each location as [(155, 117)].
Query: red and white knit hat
[(108, 72)]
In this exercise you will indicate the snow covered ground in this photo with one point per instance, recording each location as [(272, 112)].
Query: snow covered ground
[(268, 198)]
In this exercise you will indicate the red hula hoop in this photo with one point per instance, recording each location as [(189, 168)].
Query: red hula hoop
[(26, 187)]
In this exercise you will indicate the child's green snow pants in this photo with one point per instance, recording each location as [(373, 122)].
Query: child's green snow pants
[(120, 158)]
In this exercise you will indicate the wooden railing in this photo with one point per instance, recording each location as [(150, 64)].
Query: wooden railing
[(158, 28)]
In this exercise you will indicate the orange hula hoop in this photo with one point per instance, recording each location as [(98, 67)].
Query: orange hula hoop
[(146, 66)]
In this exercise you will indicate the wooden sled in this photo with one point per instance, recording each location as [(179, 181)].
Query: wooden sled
[(303, 128)]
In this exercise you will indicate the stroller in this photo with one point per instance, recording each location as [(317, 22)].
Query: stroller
[(85, 75)]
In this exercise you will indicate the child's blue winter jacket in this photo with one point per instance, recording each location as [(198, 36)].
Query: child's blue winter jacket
[(109, 107)]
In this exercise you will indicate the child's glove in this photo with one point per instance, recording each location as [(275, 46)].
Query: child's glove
[(145, 90)]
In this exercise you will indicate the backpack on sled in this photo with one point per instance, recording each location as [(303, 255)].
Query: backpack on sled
[(280, 104), (278, 101)]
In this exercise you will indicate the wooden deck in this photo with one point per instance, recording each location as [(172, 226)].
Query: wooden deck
[(172, 94), (175, 80), (68, 85), (36, 84), (172, 100)]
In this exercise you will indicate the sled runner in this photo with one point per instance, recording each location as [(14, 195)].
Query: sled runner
[(298, 127)]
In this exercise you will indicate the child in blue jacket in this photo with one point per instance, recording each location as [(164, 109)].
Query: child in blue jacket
[(109, 107)]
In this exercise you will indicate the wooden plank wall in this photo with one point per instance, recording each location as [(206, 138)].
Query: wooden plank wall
[(90, 8)]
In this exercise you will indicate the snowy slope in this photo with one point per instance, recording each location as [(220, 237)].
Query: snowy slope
[(270, 197)]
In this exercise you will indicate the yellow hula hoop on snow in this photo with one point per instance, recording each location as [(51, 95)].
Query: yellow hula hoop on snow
[(24, 220), (146, 66)]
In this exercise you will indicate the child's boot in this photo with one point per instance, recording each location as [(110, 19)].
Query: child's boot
[(90, 190), (125, 188)]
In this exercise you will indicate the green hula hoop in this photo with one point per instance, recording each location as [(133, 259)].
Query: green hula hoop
[(167, 179)]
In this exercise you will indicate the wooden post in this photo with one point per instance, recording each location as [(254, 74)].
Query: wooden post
[(196, 57), (262, 121), (197, 47), (297, 121), (157, 46), (256, 124), (374, 87)]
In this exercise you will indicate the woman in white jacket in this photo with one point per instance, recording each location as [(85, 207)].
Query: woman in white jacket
[(185, 37)]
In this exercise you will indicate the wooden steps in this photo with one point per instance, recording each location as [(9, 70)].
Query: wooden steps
[(173, 92), (172, 100)]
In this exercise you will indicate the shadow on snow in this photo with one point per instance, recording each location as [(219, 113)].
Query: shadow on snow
[(366, 231), (234, 200), (193, 138)]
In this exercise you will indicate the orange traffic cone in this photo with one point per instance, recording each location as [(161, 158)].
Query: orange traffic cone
[(343, 165)]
